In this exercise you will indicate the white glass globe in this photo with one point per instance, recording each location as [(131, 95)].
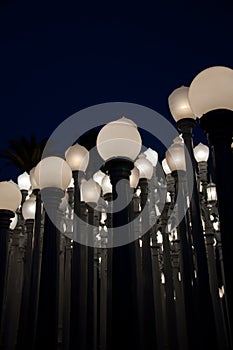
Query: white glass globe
[(10, 195), (14, 221), (179, 104), (71, 184), (64, 202), (53, 172), (90, 191), (29, 208), (201, 152), (134, 177), (98, 177), (152, 156), (77, 157), (106, 185), (24, 182), (211, 89), (165, 166), (119, 138), (144, 166), (175, 156), (34, 184)]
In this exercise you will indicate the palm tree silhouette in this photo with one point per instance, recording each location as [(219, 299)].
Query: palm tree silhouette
[(23, 153)]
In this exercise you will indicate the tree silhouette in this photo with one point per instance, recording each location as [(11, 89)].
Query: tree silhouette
[(23, 153)]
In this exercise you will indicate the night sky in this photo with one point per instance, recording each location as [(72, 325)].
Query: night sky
[(60, 57)]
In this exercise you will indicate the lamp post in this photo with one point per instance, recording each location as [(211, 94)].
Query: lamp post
[(201, 153), (28, 212), (106, 267), (36, 264), (175, 157), (185, 119), (77, 157), (119, 143), (145, 168), (211, 99), (10, 199), (91, 193), (53, 175), (174, 260)]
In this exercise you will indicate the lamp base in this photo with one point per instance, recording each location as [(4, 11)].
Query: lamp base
[(218, 125), (5, 218), (119, 168), (186, 125)]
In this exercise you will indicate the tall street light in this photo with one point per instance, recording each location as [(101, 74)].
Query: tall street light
[(77, 157), (119, 143), (10, 199), (185, 119), (175, 162), (91, 192), (201, 154), (211, 99), (145, 168), (53, 176), (28, 212)]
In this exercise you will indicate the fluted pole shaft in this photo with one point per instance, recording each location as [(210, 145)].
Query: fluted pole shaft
[(205, 315), (5, 219), (218, 126), (149, 339), (124, 329), (79, 273), (47, 327)]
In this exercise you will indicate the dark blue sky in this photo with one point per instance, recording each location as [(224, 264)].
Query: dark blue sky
[(60, 57)]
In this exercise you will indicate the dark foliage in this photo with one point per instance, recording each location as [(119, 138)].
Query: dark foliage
[(23, 153)]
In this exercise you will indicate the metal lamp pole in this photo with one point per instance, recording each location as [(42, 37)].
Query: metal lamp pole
[(218, 125)]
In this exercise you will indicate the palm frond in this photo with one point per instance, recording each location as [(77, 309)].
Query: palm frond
[(24, 153)]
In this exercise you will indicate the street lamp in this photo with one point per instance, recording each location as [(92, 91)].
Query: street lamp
[(90, 191), (165, 166), (98, 177), (176, 162), (24, 184), (152, 156), (211, 99), (35, 268), (201, 152), (145, 167), (186, 120), (146, 171), (10, 199), (119, 138), (77, 157), (175, 156), (106, 185), (10, 196), (90, 194), (119, 143), (134, 178), (28, 213), (53, 176), (29, 208)]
